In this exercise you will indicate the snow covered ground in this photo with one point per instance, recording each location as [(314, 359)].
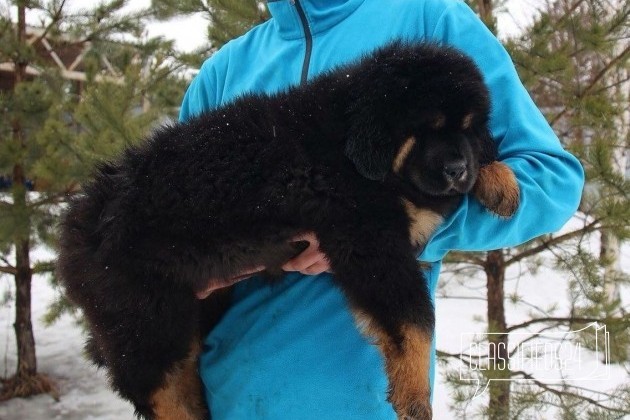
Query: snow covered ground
[(84, 392), (83, 389)]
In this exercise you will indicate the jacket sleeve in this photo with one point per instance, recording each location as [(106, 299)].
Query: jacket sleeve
[(550, 179)]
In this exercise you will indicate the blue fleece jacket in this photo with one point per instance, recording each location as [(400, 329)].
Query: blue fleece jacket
[(292, 351)]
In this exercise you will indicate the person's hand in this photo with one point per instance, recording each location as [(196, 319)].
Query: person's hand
[(215, 284), (311, 261)]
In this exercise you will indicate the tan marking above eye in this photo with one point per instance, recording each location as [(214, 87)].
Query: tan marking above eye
[(406, 147), (467, 121)]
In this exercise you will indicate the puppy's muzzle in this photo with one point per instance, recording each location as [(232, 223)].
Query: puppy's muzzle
[(455, 171)]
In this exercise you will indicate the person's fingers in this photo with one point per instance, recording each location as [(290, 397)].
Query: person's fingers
[(305, 259), (319, 267), (311, 260), (215, 284), (202, 294)]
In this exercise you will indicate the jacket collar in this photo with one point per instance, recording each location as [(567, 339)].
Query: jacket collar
[(320, 15)]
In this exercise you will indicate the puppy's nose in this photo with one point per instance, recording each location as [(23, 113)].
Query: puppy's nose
[(455, 169)]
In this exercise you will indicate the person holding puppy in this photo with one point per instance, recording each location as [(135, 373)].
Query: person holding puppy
[(292, 350)]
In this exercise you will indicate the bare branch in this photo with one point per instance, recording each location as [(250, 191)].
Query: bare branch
[(561, 393), (546, 244), (56, 17), (459, 257), (558, 320), (8, 270), (7, 262)]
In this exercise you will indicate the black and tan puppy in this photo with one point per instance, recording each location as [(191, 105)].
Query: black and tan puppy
[(370, 157)]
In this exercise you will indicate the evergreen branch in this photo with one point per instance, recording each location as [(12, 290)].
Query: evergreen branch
[(569, 13), (445, 296), (8, 270), (103, 29), (4, 260), (56, 198), (534, 306), (561, 394), (558, 320), (460, 357), (534, 335), (613, 85), (622, 19), (44, 267), (205, 7), (593, 82), (594, 391), (546, 244), (56, 17)]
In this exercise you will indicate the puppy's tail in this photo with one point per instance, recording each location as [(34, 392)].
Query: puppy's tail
[(86, 229), (82, 266)]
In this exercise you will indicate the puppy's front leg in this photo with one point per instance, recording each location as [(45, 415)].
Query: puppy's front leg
[(497, 189)]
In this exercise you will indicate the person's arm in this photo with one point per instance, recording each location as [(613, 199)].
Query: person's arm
[(550, 178)]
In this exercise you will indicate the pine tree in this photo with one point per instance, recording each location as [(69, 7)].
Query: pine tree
[(574, 62), (49, 138)]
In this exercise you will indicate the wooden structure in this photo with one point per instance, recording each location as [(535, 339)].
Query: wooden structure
[(62, 52)]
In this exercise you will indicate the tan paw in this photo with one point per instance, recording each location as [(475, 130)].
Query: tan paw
[(497, 189)]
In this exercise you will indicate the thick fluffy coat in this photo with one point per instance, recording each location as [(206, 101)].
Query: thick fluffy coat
[(370, 157)]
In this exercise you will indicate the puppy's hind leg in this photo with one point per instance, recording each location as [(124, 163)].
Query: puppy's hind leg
[(179, 397), (391, 303), (148, 340), (407, 356)]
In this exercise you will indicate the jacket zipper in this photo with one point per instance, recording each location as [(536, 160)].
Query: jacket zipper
[(309, 40)]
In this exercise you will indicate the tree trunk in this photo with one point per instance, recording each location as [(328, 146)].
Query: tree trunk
[(26, 381), (609, 257), (498, 368), (486, 9), (499, 388), (27, 362)]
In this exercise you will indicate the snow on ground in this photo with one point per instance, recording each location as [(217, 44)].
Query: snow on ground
[(84, 392), (83, 389)]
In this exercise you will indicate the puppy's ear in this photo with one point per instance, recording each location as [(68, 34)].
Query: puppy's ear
[(370, 150)]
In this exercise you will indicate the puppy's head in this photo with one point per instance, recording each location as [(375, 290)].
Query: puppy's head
[(420, 112), (443, 158)]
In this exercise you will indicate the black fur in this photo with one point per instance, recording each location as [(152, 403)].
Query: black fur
[(228, 190)]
